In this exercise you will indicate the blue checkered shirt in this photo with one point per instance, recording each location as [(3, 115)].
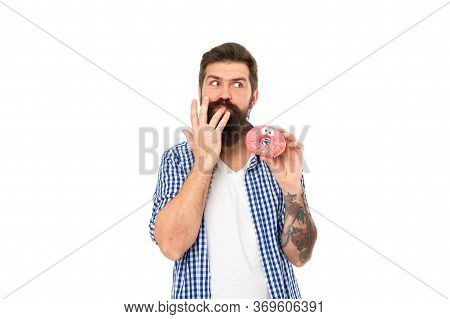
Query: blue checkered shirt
[(191, 273)]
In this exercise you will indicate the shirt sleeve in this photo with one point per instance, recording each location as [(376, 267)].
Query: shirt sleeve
[(169, 182), (282, 215)]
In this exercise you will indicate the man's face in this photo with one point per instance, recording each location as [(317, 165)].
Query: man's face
[(227, 84)]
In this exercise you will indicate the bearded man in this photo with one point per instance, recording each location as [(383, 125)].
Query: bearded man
[(234, 223)]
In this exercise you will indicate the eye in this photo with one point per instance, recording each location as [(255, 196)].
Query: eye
[(270, 132), (264, 130), (214, 83), (237, 85)]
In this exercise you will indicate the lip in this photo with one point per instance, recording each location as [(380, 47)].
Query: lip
[(220, 107)]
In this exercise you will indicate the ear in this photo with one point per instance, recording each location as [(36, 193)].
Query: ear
[(255, 96)]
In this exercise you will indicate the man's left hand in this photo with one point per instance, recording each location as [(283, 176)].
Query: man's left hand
[(287, 167)]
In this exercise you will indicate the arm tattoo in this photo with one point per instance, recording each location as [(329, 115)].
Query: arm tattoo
[(299, 228)]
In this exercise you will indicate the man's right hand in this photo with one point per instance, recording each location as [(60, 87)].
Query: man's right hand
[(206, 139)]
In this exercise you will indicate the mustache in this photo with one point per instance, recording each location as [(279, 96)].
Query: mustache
[(221, 102), (237, 125)]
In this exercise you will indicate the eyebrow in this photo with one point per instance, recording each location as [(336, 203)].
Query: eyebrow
[(219, 78)]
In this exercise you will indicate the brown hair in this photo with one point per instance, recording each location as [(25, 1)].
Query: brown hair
[(230, 52)]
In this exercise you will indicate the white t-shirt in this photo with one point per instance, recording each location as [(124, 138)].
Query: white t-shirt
[(235, 262)]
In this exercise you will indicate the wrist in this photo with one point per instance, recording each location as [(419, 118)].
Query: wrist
[(203, 169), (297, 190)]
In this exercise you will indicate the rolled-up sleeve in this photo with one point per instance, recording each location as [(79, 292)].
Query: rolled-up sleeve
[(169, 182)]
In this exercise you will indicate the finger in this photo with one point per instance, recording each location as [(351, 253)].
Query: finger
[(296, 145), (204, 111), (216, 117), (291, 141), (223, 121), (289, 136), (194, 115)]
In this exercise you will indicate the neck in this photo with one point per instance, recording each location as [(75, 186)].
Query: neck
[(235, 156)]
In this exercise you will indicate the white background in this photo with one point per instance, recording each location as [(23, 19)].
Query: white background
[(376, 149)]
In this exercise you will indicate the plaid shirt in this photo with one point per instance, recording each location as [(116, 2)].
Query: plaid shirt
[(191, 273)]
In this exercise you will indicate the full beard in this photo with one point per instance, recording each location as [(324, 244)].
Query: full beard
[(237, 125)]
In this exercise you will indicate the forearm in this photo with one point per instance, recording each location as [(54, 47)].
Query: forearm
[(178, 223), (299, 232)]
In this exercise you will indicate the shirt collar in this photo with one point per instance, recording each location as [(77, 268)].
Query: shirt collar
[(254, 161)]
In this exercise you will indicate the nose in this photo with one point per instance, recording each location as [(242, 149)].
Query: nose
[(225, 93)]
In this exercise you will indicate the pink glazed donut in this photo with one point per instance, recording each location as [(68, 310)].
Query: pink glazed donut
[(265, 141)]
